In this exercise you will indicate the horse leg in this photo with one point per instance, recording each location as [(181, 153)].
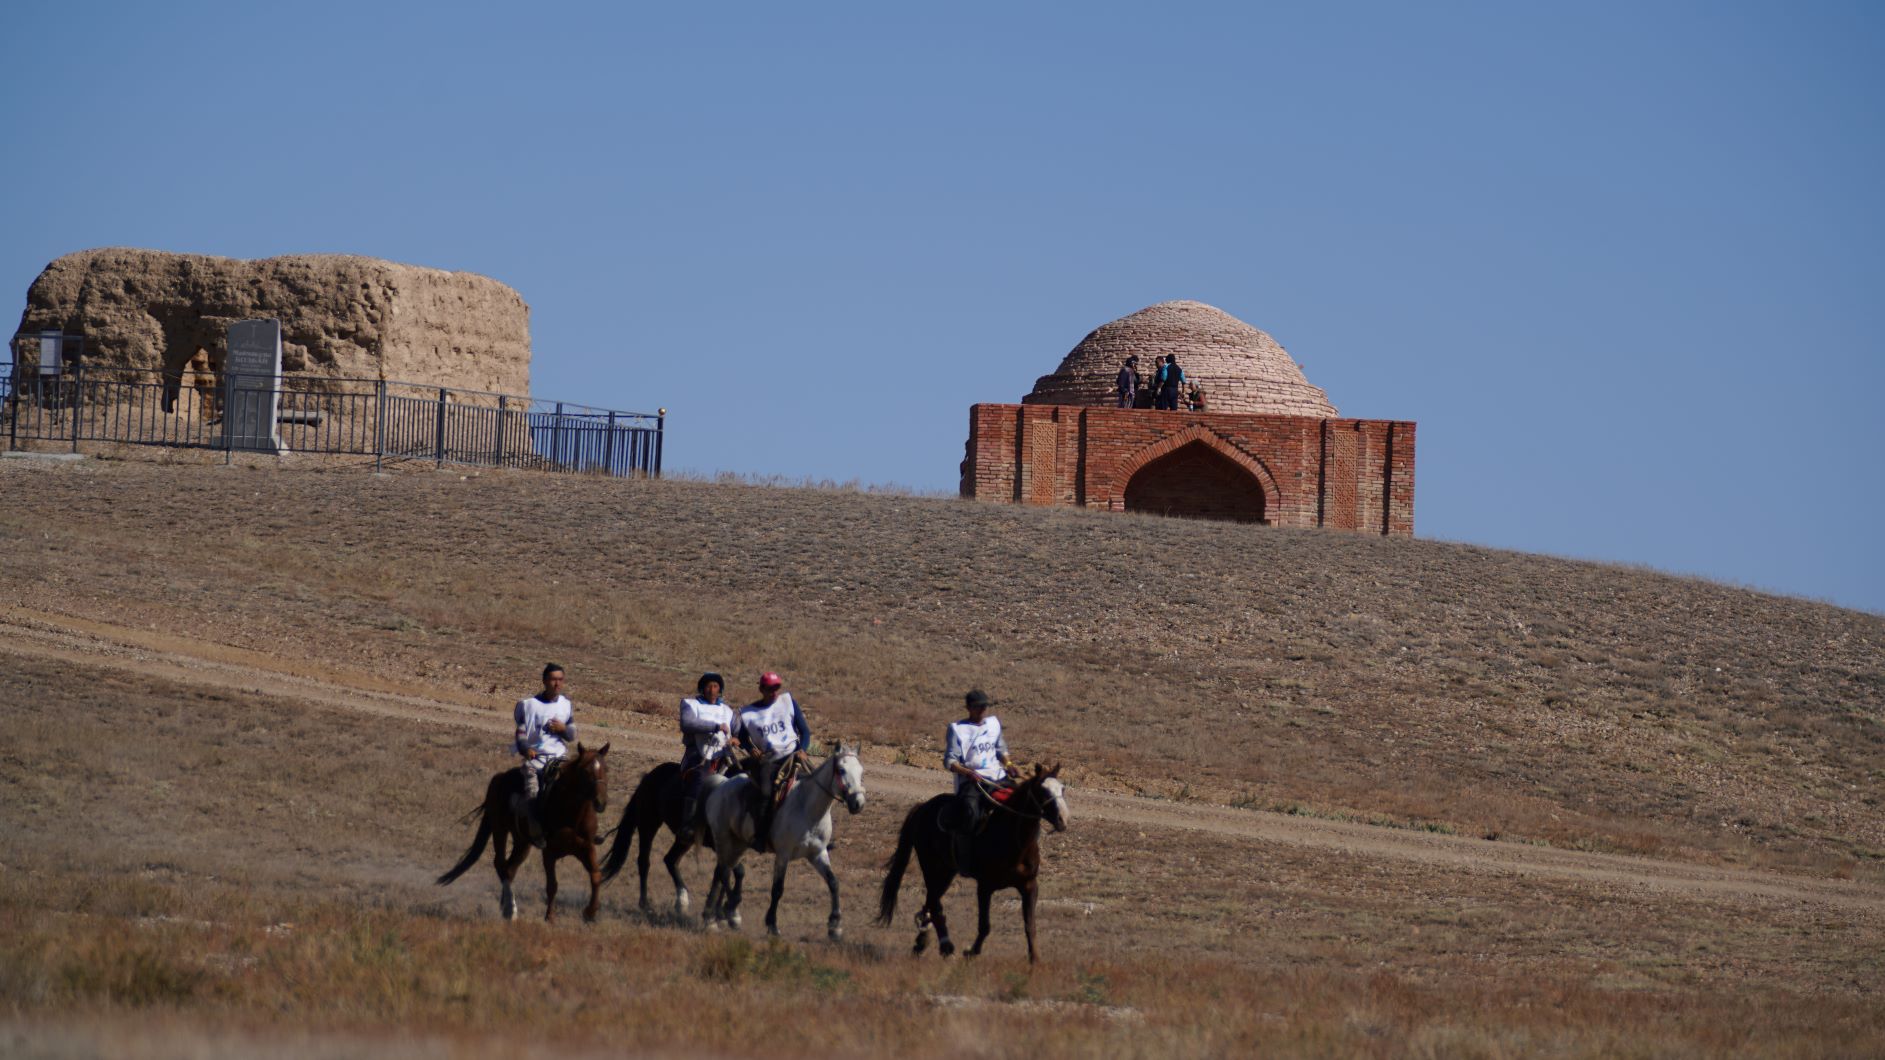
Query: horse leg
[(673, 862), (549, 885), (586, 854), (1028, 891), (779, 863), (983, 892), (834, 927), (934, 885), (710, 911), (507, 871), (647, 830), (736, 890)]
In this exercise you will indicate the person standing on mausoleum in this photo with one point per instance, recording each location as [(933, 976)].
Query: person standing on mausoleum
[(1171, 379), (1128, 383)]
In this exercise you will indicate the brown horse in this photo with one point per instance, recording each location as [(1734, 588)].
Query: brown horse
[(1006, 853), (568, 812)]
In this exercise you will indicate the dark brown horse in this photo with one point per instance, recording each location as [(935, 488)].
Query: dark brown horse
[(568, 812), (1006, 853), (657, 803)]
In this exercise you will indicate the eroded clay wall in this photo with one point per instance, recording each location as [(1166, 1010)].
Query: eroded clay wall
[(342, 316)]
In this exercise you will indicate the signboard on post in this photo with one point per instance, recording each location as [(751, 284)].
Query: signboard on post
[(252, 386)]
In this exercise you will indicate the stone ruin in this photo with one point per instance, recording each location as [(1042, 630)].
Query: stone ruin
[(1265, 446), (342, 317)]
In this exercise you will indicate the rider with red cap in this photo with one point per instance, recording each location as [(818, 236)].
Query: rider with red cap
[(774, 729)]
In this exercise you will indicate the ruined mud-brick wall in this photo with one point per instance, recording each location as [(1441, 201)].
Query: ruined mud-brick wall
[(1295, 470), (341, 316)]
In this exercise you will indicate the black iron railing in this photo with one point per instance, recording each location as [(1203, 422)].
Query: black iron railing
[(317, 414)]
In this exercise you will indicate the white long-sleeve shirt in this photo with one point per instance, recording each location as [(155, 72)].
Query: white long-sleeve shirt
[(533, 716), (701, 724), (980, 747)]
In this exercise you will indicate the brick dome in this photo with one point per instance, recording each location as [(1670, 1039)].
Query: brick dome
[(1240, 368)]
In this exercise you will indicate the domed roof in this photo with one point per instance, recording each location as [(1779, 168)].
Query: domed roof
[(1239, 368)]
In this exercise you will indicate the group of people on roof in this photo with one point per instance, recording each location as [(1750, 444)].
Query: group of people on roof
[(767, 739), (1168, 388)]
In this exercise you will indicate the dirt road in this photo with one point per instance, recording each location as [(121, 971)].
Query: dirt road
[(156, 654)]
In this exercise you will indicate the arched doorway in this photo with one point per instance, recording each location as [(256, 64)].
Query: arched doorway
[(1196, 481)]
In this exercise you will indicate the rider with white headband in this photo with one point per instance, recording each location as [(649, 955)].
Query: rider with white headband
[(974, 750)]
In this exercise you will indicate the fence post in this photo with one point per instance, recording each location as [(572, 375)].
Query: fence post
[(556, 436), (661, 425), (439, 438), (379, 427), (78, 401), (503, 414), (608, 447)]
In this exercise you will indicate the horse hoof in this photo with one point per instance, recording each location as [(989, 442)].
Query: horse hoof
[(947, 949), (835, 934)]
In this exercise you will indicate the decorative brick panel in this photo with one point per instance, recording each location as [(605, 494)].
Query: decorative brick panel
[(1279, 470)]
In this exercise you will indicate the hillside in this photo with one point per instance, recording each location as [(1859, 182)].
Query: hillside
[(248, 707), (1444, 686)]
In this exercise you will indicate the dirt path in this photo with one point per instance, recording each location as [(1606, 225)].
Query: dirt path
[(187, 661)]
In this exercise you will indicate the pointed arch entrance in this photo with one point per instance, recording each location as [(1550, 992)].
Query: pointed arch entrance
[(1193, 478)]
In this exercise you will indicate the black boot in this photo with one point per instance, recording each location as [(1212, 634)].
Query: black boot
[(965, 853), (690, 810)]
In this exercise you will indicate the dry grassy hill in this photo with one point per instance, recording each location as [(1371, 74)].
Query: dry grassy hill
[(188, 642), (1444, 686)]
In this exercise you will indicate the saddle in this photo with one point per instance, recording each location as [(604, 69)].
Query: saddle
[(545, 780), (699, 769), (788, 779)]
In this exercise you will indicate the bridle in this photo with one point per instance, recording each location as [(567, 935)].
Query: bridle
[(1005, 808), (836, 795)]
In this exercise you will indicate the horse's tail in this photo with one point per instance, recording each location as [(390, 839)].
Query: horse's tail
[(485, 827), (898, 863), (646, 802)]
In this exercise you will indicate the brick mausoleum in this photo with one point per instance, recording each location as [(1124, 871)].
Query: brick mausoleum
[(1266, 448)]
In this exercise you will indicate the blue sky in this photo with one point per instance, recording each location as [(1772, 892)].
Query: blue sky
[(1622, 262)]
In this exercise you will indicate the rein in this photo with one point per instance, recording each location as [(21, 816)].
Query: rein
[(1004, 807)]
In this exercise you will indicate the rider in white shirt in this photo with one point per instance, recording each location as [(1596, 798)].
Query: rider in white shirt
[(706, 732), (545, 723), (975, 750), (773, 729)]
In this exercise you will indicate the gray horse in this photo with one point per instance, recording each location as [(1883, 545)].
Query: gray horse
[(800, 829)]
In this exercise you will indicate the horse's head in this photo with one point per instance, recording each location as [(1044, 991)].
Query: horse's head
[(1049, 796), (847, 777), (591, 771)]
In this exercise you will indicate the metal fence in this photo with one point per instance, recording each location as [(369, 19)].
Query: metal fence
[(317, 414)]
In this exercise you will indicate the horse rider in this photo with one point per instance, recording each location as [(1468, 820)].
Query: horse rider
[(975, 750), (706, 731), (545, 726), (773, 729)]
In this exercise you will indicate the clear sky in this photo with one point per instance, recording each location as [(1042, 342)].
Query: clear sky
[(1624, 262)]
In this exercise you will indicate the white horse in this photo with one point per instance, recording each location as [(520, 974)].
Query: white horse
[(800, 829)]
